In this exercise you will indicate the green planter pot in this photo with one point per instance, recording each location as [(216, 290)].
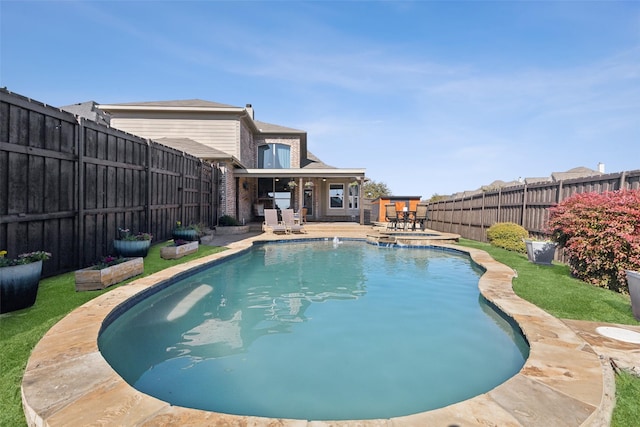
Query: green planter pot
[(186, 234), (132, 248), (19, 286)]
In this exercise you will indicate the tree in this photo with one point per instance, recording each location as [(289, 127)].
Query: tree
[(373, 190), (437, 197)]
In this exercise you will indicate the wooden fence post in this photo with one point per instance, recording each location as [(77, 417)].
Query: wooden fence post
[(147, 205), (499, 204), (523, 216), (79, 196), (623, 179)]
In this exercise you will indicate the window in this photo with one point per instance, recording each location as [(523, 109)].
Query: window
[(336, 196), (274, 193), (353, 196), (274, 156)]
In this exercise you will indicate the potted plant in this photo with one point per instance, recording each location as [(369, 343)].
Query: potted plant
[(19, 279), (540, 251), (132, 245), (633, 281), (190, 233), (178, 248), (229, 225), (292, 184), (108, 271)]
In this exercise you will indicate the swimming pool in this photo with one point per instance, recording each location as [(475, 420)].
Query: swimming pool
[(377, 334)]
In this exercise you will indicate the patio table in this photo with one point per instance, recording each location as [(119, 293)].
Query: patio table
[(406, 218)]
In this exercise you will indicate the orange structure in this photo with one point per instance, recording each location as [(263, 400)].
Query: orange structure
[(377, 205)]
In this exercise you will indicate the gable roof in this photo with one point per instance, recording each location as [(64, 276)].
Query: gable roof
[(197, 149), (312, 162), (264, 127), (182, 103)]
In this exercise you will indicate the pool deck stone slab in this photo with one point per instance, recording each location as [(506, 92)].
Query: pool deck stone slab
[(567, 379)]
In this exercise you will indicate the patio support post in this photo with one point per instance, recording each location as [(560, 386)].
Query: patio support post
[(360, 204), (300, 196)]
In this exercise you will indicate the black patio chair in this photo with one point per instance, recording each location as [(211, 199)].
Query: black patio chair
[(392, 216), (420, 216)]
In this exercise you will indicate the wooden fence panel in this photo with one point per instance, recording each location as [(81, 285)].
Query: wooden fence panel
[(68, 184), (527, 205), (166, 185), (37, 151)]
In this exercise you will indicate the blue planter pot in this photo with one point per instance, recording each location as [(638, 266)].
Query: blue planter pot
[(132, 248), (19, 286), (188, 235)]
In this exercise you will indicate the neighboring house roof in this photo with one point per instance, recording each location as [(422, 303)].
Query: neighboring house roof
[(579, 172), (89, 110), (537, 180), (196, 149)]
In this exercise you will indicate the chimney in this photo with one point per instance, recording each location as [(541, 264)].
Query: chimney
[(600, 167), (249, 109)]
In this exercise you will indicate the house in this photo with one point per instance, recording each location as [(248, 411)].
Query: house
[(263, 165)]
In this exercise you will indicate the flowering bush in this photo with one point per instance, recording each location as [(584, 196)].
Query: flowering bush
[(125, 234), (27, 258), (508, 235), (181, 227), (108, 261), (601, 235)]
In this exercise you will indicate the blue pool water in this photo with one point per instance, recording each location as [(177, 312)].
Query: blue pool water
[(318, 331)]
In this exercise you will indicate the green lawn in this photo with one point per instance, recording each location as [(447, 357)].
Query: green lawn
[(554, 290), (550, 287)]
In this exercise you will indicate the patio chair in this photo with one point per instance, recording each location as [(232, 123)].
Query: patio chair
[(289, 222), (271, 222), (420, 217), (391, 215)]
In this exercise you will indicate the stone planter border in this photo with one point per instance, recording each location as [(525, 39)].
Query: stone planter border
[(90, 279), (175, 252), (230, 230)]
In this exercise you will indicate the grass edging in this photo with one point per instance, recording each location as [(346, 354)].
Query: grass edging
[(553, 289), (21, 330)]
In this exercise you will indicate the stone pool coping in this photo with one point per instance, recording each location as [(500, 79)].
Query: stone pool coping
[(563, 382)]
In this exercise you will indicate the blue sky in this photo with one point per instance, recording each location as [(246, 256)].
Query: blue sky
[(431, 97)]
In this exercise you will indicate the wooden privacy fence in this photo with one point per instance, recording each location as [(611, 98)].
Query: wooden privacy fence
[(527, 205), (67, 185)]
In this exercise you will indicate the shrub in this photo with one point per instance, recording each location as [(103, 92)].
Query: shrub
[(228, 221), (508, 235), (601, 235)]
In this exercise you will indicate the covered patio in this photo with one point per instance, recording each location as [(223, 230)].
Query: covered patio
[(328, 194)]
